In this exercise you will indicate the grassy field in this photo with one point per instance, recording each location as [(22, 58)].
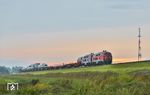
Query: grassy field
[(122, 79)]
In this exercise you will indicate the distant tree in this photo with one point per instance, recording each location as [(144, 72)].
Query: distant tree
[(16, 69), (4, 70)]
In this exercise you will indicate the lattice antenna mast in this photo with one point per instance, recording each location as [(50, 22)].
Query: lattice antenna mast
[(139, 45)]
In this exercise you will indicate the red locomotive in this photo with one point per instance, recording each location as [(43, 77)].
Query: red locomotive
[(103, 57)]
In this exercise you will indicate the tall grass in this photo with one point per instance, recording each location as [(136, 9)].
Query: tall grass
[(84, 83)]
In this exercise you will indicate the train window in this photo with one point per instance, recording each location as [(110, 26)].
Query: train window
[(97, 54), (85, 56)]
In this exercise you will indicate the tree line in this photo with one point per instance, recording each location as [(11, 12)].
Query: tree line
[(7, 70)]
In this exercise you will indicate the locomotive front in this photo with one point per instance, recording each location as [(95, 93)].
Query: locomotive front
[(107, 57)]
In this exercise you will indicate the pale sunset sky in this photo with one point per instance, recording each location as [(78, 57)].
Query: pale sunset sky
[(60, 31)]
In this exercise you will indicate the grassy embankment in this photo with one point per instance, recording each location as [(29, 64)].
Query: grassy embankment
[(121, 68), (122, 79)]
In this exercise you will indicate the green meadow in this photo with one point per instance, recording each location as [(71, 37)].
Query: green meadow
[(121, 79)]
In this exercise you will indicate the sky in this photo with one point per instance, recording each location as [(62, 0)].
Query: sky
[(60, 31)]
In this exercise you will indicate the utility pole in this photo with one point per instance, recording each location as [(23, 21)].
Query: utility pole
[(139, 45)]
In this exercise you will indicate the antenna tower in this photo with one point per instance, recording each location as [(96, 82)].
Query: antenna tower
[(139, 45)]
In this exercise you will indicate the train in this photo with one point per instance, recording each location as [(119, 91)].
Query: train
[(100, 58)]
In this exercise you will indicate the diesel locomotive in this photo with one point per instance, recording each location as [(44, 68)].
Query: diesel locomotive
[(103, 57)]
